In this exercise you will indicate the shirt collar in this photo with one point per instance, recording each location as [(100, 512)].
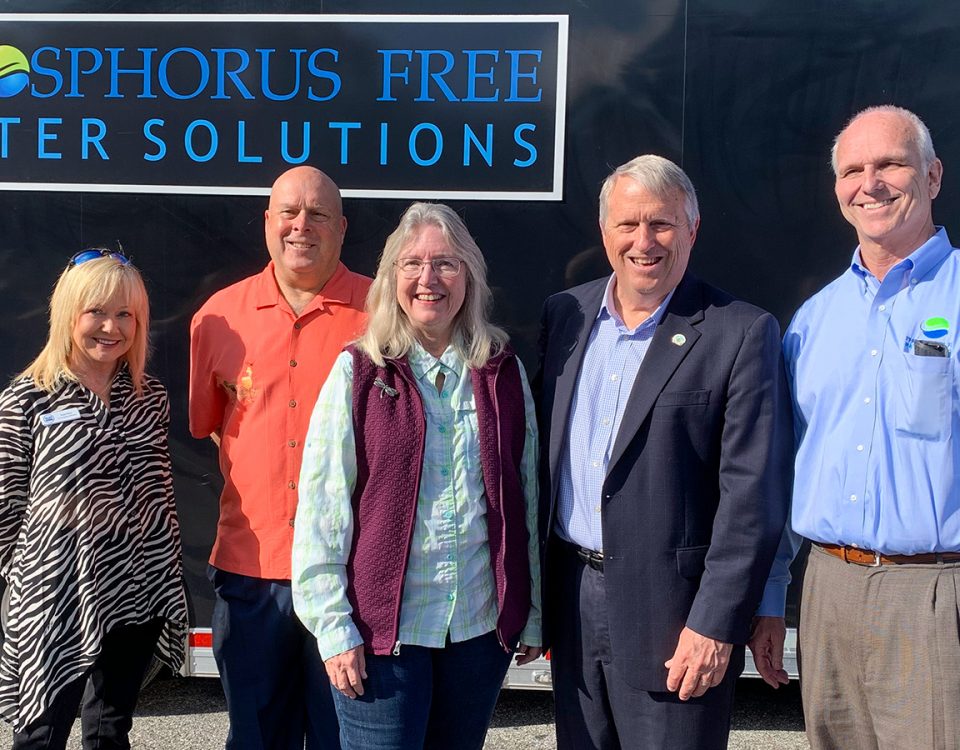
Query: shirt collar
[(916, 265), (608, 310), (423, 363), (337, 290)]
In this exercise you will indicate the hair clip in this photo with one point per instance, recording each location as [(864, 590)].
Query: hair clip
[(384, 388)]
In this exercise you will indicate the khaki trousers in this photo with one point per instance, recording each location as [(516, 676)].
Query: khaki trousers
[(880, 655)]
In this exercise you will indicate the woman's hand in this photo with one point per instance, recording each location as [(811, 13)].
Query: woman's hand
[(347, 671), (527, 654)]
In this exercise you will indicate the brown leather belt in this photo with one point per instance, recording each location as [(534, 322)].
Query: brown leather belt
[(873, 559)]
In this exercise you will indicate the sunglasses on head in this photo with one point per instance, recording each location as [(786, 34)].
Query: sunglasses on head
[(93, 253)]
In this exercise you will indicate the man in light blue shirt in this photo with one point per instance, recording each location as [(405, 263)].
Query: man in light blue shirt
[(872, 365)]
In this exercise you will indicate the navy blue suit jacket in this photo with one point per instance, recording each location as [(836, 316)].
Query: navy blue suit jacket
[(697, 488)]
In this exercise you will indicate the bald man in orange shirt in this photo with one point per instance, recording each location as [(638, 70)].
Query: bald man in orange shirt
[(260, 350)]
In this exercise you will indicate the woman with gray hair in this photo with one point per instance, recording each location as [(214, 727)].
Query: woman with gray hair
[(415, 560)]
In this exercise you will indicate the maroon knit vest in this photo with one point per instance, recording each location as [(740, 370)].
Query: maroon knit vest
[(389, 426)]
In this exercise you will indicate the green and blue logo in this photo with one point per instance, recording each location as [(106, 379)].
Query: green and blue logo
[(935, 328), (14, 70)]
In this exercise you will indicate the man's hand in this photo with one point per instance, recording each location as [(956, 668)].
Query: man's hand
[(698, 664), (527, 654), (347, 670), (766, 644)]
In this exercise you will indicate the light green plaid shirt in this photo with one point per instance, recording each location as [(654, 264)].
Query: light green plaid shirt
[(449, 586)]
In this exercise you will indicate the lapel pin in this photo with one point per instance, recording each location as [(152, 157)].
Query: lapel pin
[(679, 339), (384, 388)]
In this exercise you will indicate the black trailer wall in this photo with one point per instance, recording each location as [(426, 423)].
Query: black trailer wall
[(745, 94)]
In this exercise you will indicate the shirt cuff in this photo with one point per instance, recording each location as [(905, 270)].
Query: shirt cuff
[(774, 601), (339, 639), (532, 634)]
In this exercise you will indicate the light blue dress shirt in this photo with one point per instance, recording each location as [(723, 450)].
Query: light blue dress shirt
[(878, 426), (611, 361)]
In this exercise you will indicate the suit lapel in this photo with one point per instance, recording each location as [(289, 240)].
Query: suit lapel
[(675, 337), (567, 380)]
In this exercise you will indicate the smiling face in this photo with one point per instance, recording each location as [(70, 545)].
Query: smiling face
[(648, 241), (882, 187), (102, 335), (304, 227), (430, 302)]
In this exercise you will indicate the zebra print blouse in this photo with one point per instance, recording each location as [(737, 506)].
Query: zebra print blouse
[(89, 538)]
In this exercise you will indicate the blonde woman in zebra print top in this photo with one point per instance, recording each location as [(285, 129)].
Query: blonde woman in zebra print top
[(89, 539)]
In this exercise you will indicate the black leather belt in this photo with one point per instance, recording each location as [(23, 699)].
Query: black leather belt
[(589, 557)]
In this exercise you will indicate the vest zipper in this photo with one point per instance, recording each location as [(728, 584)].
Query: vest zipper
[(503, 515), (413, 518)]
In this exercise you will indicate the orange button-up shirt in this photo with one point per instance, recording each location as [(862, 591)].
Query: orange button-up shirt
[(255, 372)]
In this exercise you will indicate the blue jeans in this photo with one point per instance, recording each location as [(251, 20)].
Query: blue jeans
[(273, 677), (425, 698)]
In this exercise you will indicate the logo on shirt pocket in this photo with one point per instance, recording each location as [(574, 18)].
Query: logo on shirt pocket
[(935, 328)]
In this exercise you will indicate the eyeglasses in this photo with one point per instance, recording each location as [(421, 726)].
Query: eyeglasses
[(93, 253), (445, 268)]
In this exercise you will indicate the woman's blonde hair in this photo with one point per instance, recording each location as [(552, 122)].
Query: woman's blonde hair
[(92, 284), (389, 333)]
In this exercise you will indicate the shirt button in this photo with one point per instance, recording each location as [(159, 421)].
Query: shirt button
[(606, 420), (448, 514), (298, 326), (853, 498), (292, 485), (449, 557), (443, 394), (614, 378), (293, 403), (597, 509), (444, 471), (874, 352), (866, 400), (882, 308), (291, 522), (293, 363), (292, 443), (441, 429), (596, 464), (859, 447), (450, 597), (913, 281)]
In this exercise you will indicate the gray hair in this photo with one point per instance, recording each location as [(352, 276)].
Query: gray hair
[(920, 136), (389, 333), (659, 176)]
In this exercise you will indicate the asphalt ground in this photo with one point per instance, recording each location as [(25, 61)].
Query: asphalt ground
[(189, 714)]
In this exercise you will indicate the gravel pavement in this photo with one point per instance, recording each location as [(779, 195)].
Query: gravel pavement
[(189, 714)]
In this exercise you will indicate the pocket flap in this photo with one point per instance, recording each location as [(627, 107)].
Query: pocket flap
[(692, 560), (684, 398)]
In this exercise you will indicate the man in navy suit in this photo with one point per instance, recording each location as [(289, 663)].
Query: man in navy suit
[(666, 473)]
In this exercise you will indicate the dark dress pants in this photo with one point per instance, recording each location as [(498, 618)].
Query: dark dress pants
[(595, 706), (107, 695), (273, 678)]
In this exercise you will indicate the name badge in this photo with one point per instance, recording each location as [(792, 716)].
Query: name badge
[(56, 417)]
